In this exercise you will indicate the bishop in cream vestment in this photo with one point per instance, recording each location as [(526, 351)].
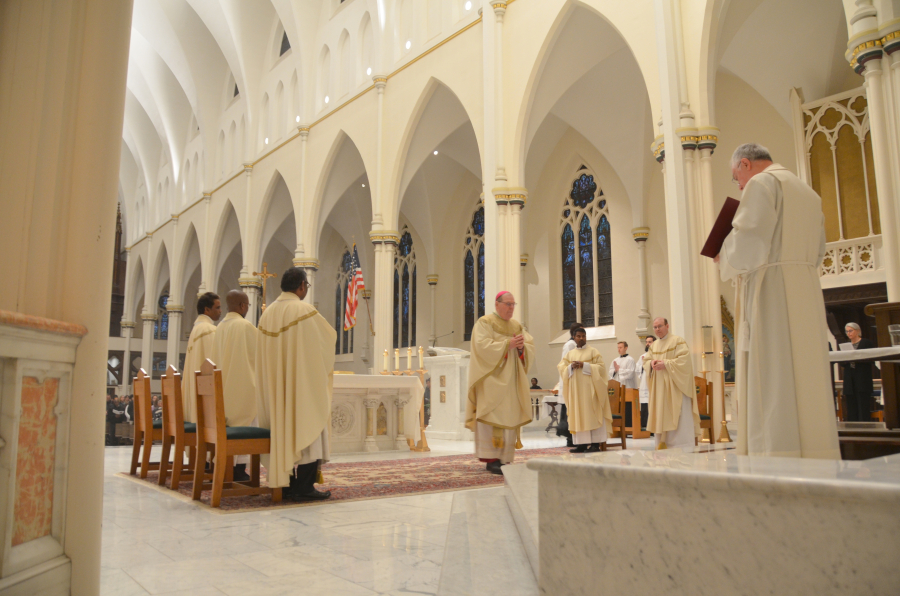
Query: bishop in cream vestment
[(673, 415), (294, 368), (200, 347), (782, 383), (499, 397), (590, 415)]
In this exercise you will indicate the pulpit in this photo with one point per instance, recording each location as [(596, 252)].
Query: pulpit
[(449, 370)]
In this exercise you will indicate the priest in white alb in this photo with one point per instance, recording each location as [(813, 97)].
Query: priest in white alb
[(774, 251), (585, 383), (499, 398), (294, 376), (673, 415), (235, 355), (200, 347)]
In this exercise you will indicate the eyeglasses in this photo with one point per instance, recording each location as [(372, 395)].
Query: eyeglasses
[(508, 303), (735, 181), (308, 285)]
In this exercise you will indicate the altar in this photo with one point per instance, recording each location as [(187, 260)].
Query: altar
[(375, 412)]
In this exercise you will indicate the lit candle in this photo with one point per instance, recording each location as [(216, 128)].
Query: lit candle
[(386, 361), (397, 359), (722, 360), (408, 358), (703, 362), (420, 358)]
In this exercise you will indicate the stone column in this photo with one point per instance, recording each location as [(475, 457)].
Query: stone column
[(867, 60), (499, 7), (127, 333), (400, 442), (310, 266), (522, 309), (300, 251), (432, 285), (251, 285), (510, 202), (385, 243), (641, 235), (147, 342), (371, 420), (173, 342), (380, 82), (206, 250)]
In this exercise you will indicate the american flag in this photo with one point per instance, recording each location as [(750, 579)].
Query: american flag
[(355, 286)]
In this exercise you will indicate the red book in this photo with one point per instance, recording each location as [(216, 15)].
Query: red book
[(720, 229)]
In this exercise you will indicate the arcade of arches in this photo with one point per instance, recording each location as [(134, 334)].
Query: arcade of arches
[(572, 152)]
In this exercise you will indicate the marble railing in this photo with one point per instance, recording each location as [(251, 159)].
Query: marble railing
[(847, 257)]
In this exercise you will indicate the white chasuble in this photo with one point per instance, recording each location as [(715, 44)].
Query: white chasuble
[(499, 390), (294, 373), (668, 387), (235, 355), (783, 388), (567, 347), (586, 390), (200, 347)]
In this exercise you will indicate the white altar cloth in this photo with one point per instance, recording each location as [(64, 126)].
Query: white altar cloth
[(356, 397), (892, 353), (717, 523)]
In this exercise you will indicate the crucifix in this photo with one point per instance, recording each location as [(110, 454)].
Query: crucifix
[(265, 275)]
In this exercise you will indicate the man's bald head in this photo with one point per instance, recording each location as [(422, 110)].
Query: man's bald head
[(238, 302)]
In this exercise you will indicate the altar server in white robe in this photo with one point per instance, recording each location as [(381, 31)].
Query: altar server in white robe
[(585, 382), (235, 356), (644, 390), (674, 418), (200, 346), (499, 399), (623, 369), (774, 252), (294, 377)]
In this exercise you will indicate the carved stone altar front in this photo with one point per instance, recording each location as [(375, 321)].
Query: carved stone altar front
[(374, 413)]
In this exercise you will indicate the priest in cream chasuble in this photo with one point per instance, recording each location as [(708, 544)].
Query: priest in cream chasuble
[(235, 356), (499, 399), (585, 382), (673, 417), (294, 376), (783, 385), (201, 345)]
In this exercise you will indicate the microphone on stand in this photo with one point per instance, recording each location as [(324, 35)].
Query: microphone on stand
[(439, 337)]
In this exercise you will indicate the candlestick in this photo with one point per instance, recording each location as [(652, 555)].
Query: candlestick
[(420, 358), (408, 358), (396, 359), (386, 361)]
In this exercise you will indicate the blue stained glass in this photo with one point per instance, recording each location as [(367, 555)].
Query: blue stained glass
[(567, 239), (345, 346), (346, 262), (583, 191), (338, 316), (396, 309), (586, 258), (567, 213), (412, 322), (406, 244), (604, 273), (469, 283), (478, 222), (161, 326), (603, 204), (481, 281), (405, 336)]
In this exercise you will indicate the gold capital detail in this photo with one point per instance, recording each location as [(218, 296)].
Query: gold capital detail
[(307, 264), (432, 280), (384, 237)]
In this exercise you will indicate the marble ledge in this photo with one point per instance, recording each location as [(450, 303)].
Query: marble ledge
[(875, 479), (35, 323)]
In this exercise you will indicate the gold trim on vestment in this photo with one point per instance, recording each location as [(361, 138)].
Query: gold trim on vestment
[(679, 343), (289, 325), (201, 336)]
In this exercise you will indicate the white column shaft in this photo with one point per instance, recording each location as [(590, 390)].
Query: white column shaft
[(173, 342)]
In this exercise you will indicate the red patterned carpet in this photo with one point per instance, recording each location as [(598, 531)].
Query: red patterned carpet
[(377, 479)]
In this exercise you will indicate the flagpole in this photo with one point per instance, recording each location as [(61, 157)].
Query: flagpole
[(366, 298)]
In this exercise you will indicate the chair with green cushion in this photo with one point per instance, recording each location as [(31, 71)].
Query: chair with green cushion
[(176, 431), (704, 391), (226, 442), (145, 430)]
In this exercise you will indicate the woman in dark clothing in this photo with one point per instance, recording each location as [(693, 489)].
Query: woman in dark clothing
[(858, 386)]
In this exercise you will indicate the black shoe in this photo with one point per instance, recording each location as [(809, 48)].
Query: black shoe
[(579, 449), (569, 442), (312, 495), (494, 467), (594, 448), (240, 473)]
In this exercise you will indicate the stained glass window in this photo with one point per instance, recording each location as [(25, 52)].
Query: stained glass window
[(404, 291), (473, 270), (285, 44), (161, 326), (344, 342), (587, 263)]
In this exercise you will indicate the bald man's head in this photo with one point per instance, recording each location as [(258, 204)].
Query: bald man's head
[(238, 302)]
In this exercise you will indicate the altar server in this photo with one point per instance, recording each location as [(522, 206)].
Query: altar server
[(674, 418), (235, 356), (200, 347), (585, 383), (499, 400), (773, 253), (294, 372), (623, 369), (644, 390)]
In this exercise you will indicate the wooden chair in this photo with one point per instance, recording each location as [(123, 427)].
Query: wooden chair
[(616, 393), (175, 431), (227, 440), (145, 430), (633, 403), (704, 404)]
